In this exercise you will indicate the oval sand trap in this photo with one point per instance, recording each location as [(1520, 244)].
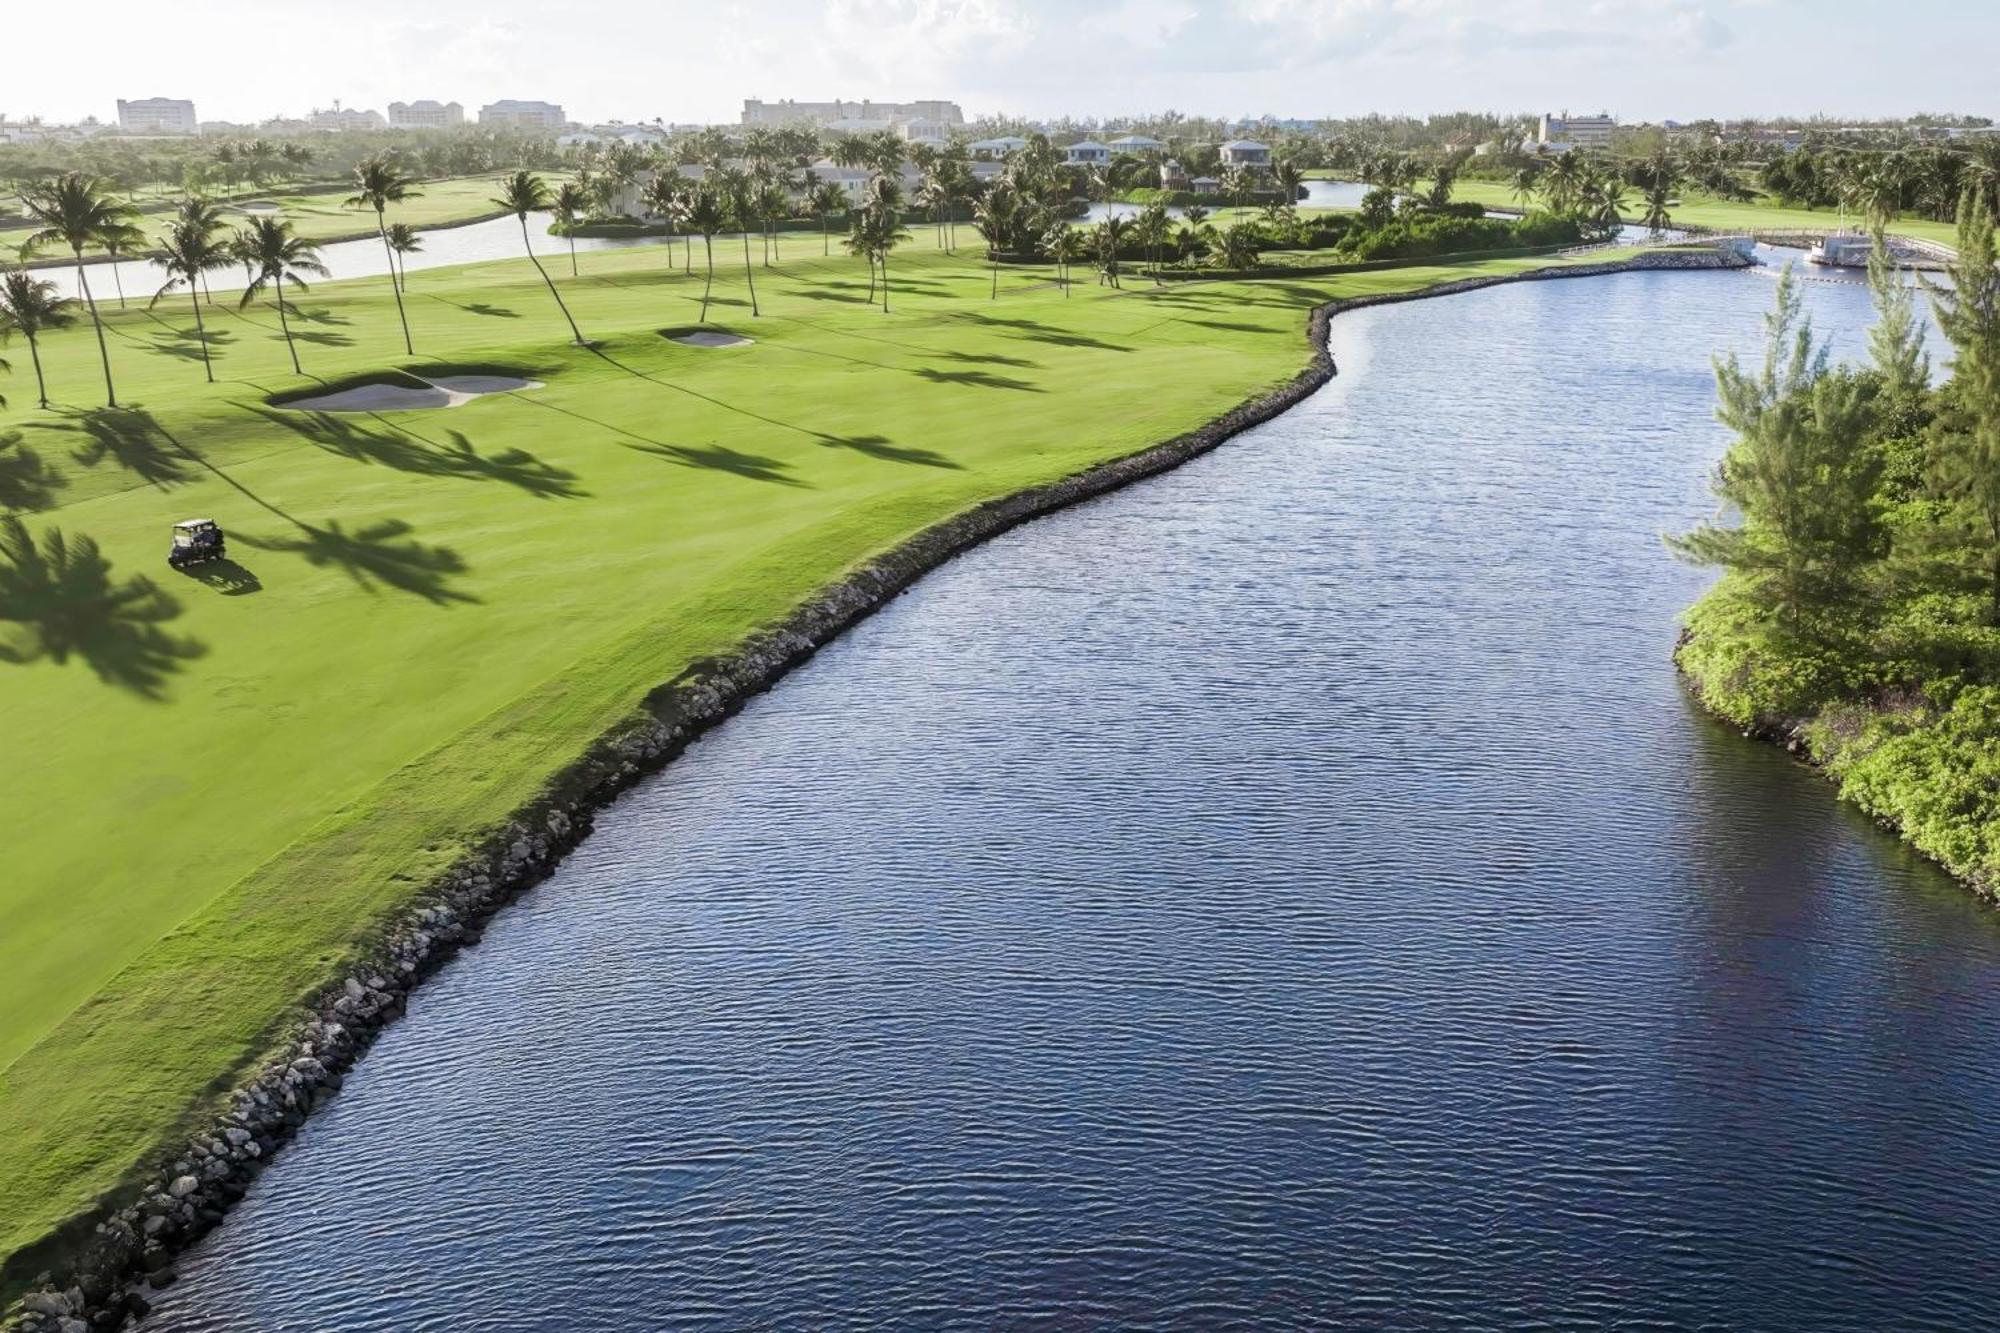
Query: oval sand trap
[(707, 338), (444, 391)]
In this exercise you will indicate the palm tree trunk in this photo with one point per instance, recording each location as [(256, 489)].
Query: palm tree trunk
[(530, 248), (35, 355), (572, 253), (885, 282), (200, 333), (996, 277), (117, 280), (749, 274), (707, 244), (278, 289), (103, 352), (825, 237), (395, 284)]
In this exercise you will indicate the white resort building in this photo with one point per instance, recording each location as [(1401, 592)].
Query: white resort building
[(1576, 131), (157, 115), (510, 114), (425, 115)]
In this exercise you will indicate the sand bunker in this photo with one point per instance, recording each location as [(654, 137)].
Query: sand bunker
[(704, 338), (444, 391)]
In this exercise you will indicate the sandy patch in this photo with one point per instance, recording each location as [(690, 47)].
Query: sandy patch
[(444, 391), (704, 338)]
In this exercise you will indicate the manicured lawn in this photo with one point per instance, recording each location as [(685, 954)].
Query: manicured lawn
[(319, 216), (445, 606), (1701, 210)]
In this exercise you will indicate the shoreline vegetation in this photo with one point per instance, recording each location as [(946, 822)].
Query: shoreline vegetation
[(128, 1129), (1857, 619)]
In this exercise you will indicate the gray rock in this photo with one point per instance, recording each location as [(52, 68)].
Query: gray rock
[(183, 1186)]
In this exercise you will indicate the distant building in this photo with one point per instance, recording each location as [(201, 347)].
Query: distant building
[(512, 115), (1089, 153), (925, 131), (157, 115), (1246, 153), (1577, 131), (995, 149), (1173, 176), (1136, 144), (823, 114), (425, 115), (345, 118)]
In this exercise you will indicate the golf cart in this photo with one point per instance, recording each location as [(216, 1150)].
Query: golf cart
[(196, 542)]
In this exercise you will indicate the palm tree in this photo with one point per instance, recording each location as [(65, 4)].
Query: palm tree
[(1065, 246), (1525, 184), (378, 182), (885, 232), (280, 257), (1111, 236), (706, 215), (993, 218), (570, 203), (404, 241), (1239, 247), (740, 201), (772, 202), (521, 194), (30, 304), (204, 216), (79, 211), (825, 199), (861, 244), (661, 198), (1290, 180), (1152, 229), (190, 250)]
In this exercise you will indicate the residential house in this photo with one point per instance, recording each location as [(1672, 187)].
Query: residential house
[(1246, 153), (995, 149), (1135, 144), (1089, 153), (1173, 176)]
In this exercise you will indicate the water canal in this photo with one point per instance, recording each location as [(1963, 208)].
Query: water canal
[(1292, 889)]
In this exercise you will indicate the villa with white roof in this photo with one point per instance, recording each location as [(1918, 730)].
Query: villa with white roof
[(1136, 143), (1246, 153), (1089, 153)]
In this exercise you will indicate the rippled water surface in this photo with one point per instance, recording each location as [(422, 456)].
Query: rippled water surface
[(1291, 890)]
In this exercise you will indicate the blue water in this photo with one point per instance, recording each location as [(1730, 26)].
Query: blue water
[(1294, 890)]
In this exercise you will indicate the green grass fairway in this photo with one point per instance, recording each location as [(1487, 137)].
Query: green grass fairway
[(1699, 210), (448, 605), (320, 216)]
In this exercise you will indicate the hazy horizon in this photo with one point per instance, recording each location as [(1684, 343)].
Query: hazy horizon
[(1640, 59)]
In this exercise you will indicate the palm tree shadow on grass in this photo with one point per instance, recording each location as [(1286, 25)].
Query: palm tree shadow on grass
[(382, 554), (875, 446), (379, 555), (186, 345), (59, 600), (129, 437), (721, 458), (978, 379), (406, 451), (1036, 331), (878, 446), (27, 482)]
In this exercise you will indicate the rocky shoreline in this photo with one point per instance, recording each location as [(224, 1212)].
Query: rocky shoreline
[(110, 1265)]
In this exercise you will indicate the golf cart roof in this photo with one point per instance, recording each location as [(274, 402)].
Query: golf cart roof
[(196, 523)]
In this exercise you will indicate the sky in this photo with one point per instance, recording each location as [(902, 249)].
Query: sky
[(1639, 59)]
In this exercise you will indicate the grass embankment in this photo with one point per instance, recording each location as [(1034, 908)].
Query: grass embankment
[(1699, 210), (319, 217), (436, 610)]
